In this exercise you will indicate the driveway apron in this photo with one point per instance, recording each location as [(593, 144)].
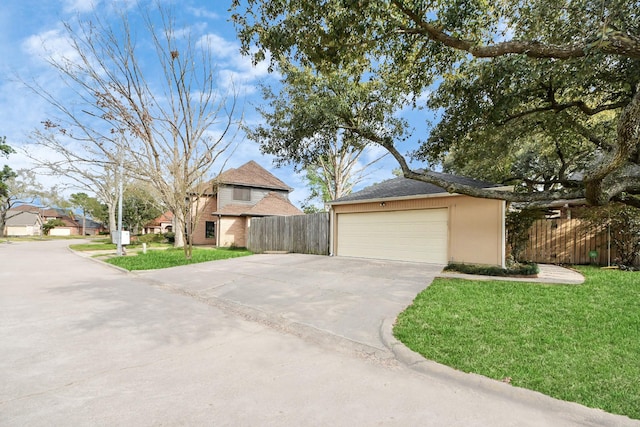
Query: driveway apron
[(346, 297)]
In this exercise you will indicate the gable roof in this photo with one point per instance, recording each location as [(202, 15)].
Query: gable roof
[(20, 217), (273, 204), (67, 218), (251, 174), (27, 208), (405, 188)]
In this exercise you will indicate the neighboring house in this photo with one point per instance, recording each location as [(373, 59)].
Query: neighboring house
[(91, 227), (71, 227), (409, 220), (23, 223), (160, 225), (236, 196)]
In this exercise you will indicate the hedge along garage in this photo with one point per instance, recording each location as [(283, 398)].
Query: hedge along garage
[(407, 220)]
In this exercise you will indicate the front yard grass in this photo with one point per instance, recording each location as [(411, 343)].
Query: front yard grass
[(157, 259), (579, 343), (107, 245)]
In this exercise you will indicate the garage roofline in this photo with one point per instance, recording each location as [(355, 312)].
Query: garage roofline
[(410, 197)]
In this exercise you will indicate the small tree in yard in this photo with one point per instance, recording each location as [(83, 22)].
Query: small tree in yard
[(139, 207), (87, 204), (163, 119), (50, 225)]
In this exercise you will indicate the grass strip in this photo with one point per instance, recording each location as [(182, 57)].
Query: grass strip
[(577, 343), (86, 247), (158, 259)]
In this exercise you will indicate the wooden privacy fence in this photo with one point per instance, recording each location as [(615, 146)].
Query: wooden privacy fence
[(568, 241), (305, 234)]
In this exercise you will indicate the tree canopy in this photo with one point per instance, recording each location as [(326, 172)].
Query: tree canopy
[(302, 126), (539, 93)]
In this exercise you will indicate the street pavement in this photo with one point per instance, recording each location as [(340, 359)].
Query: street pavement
[(83, 343)]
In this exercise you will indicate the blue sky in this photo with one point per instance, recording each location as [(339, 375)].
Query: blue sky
[(26, 24)]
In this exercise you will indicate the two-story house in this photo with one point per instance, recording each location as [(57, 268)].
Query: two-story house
[(236, 196)]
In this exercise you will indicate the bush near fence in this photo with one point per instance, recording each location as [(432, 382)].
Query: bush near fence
[(306, 234)]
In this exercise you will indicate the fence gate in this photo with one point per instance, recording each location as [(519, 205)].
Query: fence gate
[(568, 241)]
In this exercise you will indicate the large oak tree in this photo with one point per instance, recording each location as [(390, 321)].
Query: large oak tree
[(544, 92)]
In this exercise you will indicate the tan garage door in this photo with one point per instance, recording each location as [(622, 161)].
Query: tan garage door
[(415, 235)]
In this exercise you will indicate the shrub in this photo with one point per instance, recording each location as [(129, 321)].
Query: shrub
[(170, 236), (518, 224), (519, 269), (151, 238)]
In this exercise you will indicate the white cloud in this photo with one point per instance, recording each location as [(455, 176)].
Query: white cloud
[(80, 6), (235, 69), (219, 46), (185, 32), (52, 44), (201, 12)]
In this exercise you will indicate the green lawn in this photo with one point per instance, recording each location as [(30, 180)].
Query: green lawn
[(157, 259), (106, 245), (579, 343)]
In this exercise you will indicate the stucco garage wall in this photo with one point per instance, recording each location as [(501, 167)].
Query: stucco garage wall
[(476, 232), (475, 226)]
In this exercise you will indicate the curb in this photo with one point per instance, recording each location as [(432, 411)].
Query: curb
[(82, 255), (572, 410)]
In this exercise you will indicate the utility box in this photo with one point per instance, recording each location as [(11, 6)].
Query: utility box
[(126, 239)]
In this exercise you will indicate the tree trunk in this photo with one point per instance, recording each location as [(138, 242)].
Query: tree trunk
[(111, 208), (178, 230)]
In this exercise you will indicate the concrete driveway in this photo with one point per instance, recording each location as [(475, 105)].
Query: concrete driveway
[(82, 343), (349, 298)]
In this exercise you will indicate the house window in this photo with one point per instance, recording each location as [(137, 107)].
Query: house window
[(210, 230), (243, 194)]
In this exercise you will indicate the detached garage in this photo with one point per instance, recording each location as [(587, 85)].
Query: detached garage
[(408, 220)]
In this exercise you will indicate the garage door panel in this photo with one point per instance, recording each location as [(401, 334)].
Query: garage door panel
[(416, 235)]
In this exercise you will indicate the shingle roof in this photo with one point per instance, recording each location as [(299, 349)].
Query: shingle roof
[(27, 208), (403, 187), (20, 217), (272, 204), (165, 217), (251, 174), (89, 223)]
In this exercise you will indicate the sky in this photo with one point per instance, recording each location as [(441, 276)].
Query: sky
[(28, 25)]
